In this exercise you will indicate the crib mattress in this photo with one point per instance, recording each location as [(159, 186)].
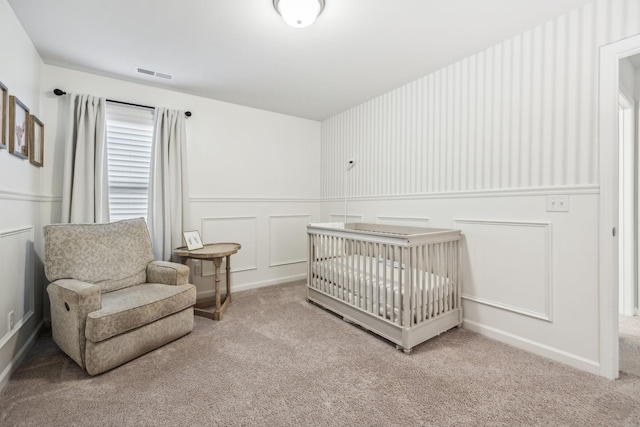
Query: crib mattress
[(360, 280)]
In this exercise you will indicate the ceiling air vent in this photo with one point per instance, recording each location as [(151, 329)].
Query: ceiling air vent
[(154, 73)]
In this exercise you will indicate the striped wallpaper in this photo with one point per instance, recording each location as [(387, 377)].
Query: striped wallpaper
[(521, 114)]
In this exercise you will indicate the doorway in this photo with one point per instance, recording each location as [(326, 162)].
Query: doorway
[(628, 321), (617, 202)]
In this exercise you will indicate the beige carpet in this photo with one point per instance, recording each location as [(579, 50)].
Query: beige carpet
[(630, 344), (276, 360)]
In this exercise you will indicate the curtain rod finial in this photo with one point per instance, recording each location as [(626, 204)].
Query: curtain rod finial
[(59, 92), (187, 113)]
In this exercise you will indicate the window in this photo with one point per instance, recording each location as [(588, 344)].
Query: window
[(129, 139)]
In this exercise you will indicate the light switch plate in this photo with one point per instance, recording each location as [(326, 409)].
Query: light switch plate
[(558, 203)]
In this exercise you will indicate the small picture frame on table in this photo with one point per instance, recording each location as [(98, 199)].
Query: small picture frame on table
[(36, 141), (193, 240), (18, 128), (4, 106)]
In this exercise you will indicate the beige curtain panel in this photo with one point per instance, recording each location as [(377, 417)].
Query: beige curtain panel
[(85, 194), (168, 193)]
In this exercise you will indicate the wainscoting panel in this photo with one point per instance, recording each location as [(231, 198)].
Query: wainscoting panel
[(288, 239), (516, 274), (17, 288), (402, 220), (235, 229)]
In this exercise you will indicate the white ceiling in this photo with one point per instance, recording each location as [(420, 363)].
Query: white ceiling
[(241, 51)]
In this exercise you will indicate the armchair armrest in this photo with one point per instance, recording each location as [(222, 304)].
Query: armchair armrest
[(169, 273), (71, 301)]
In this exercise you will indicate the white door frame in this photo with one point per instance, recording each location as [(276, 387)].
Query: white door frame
[(610, 55), (627, 234)]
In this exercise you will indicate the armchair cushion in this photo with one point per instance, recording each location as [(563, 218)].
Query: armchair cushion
[(169, 273), (135, 306), (112, 256)]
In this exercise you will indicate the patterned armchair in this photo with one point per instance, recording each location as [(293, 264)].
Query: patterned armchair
[(110, 301)]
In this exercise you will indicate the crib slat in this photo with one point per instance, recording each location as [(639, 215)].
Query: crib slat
[(376, 298), (402, 289), (393, 284), (347, 283), (409, 271), (384, 287), (369, 292), (310, 262), (458, 274), (425, 298), (450, 275), (436, 280), (360, 274), (335, 278), (445, 276), (354, 279), (423, 277), (330, 264), (441, 271), (315, 259), (347, 279)]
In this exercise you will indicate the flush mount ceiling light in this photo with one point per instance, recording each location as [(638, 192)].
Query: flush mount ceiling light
[(299, 13)]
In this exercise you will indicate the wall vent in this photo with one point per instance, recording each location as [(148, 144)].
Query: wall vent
[(154, 73)]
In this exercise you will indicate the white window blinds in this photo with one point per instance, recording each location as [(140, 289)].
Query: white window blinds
[(129, 138)]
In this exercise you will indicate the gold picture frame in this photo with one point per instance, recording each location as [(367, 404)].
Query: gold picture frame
[(36, 141), (18, 128), (4, 105)]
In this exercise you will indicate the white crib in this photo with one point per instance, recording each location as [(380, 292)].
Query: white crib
[(402, 283)]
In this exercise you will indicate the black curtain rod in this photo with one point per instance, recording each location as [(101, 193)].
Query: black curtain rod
[(59, 92)]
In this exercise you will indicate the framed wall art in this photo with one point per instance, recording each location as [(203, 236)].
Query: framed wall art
[(18, 128), (192, 239), (4, 106), (36, 141)]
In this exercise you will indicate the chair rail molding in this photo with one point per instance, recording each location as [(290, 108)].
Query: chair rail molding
[(506, 192), (29, 197)]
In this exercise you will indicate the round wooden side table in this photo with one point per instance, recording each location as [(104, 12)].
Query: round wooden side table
[(212, 252)]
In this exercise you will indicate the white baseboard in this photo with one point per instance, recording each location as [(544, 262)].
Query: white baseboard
[(543, 350), (256, 285), (19, 357)]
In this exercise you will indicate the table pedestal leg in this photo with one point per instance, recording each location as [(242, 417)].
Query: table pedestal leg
[(228, 296), (218, 314), (201, 306)]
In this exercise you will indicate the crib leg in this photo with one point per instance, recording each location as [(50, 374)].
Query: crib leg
[(406, 350)]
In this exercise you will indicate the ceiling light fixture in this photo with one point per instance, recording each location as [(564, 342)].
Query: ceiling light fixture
[(299, 13)]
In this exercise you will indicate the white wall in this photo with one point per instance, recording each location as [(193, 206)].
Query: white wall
[(22, 201), (479, 145), (254, 176)]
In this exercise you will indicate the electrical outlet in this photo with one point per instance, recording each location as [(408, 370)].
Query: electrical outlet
[(558, 203), (12, 320), (197, 268)]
